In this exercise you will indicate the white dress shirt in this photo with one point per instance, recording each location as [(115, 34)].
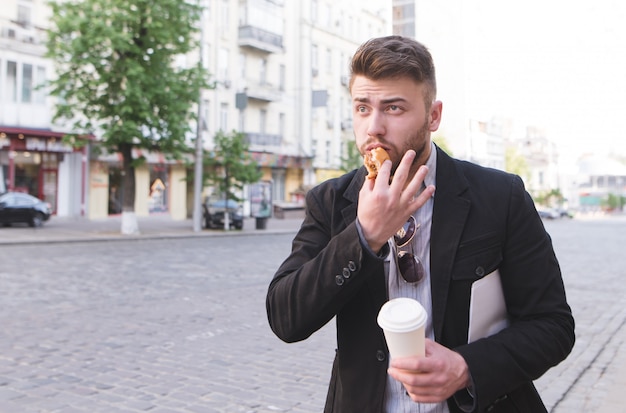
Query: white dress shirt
[(396, 397)]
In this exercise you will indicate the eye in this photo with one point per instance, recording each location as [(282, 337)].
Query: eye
[(361, 109), (393, 108)]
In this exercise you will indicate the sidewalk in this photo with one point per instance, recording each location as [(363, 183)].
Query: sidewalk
[(62, 229)]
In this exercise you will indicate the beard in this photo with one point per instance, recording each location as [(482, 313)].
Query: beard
[(420, 143)]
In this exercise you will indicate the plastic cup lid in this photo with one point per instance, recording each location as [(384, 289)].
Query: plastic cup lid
[(401, 315)]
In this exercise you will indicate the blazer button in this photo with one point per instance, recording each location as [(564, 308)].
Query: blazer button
[(339, 280), (346, 273), (380, 355), (480, 271), (351, 266)]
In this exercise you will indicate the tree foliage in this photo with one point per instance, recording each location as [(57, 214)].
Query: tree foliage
[(118, 76), (230, 166), (353, 158), (515, 163), (442, 142), (551, 198)]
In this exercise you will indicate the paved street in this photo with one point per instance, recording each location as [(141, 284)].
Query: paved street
[(178, 325)]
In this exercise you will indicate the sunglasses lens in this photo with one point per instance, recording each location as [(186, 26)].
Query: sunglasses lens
[(410, 267), (405, 234)]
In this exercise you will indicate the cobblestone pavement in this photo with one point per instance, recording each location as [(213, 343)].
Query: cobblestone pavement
[(178, 325)]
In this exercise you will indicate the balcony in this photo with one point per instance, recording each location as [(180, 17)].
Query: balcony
[(263, 91), (259, 39), (263, 139)]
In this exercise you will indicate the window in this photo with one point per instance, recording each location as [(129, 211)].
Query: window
[(242, 121), (206, 104), (206, 55), (224, 117), (242, 66), (39, 94), (222, 70), (263, 72), (224, 17), (281, 80), (262, 120), (11, 81), (327, 153), (23, 16), (27, 83)]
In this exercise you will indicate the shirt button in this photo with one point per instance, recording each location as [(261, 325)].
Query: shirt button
[(480, 271), (380, 355), (352, 266), (346, 273), (339, 280)]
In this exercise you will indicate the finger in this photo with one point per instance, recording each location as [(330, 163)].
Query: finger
[(384, 173), (406, 363), (413, 193), (402, 172), (425, 195)]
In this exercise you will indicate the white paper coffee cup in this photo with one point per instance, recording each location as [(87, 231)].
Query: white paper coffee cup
[(403, 321)]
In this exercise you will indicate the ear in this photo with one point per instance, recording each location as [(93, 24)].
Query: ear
[(434, 116)]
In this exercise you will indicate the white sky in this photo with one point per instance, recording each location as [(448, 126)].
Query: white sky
[(556, 64)]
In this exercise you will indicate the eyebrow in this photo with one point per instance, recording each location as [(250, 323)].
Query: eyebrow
[(383, 101)]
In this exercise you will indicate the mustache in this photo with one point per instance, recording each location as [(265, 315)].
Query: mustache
[(375, 141)]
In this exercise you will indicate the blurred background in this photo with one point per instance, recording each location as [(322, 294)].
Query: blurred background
[(536, 88)]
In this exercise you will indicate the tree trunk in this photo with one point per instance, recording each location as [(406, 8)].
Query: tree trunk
[(129, 219)]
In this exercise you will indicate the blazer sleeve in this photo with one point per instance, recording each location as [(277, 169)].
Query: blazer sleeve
[(541, 332), (327, 266)]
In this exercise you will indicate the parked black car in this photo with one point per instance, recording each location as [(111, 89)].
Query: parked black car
[(18, 207), (214, 214)]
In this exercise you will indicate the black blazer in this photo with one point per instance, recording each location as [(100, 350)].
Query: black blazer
[(483, 219)]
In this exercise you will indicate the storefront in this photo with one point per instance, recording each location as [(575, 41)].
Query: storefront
[(285, 172), (160, 186), (39, 163)]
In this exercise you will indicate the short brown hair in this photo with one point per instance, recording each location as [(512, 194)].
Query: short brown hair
[(394, 57)]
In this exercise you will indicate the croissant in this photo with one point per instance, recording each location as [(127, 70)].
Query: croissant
[(373, 160)]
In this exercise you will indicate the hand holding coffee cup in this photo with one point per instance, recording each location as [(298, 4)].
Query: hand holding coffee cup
[(403, 321)]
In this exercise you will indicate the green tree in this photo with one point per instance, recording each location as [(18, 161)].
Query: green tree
[(230, 166), (442, 142), (353, 158), (117, 77), (515, 163), (613, 202)]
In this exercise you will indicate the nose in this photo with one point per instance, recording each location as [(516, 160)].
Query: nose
[(376, 124)]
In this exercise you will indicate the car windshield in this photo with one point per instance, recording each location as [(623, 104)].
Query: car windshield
[(18, 199)]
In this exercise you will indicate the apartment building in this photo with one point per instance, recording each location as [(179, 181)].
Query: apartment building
[(282, 73), (33, 158)]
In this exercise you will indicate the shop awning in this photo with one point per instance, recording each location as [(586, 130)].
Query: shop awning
[(15, 132)]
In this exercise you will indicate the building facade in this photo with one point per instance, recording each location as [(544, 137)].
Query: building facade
[(281, 73), (33, 156)]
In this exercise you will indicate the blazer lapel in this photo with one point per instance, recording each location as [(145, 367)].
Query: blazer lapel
[(450, 211)]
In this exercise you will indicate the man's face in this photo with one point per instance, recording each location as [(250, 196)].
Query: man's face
[(392, 113)]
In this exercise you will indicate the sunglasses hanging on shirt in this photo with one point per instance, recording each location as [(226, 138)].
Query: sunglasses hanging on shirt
[(410, 267)]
